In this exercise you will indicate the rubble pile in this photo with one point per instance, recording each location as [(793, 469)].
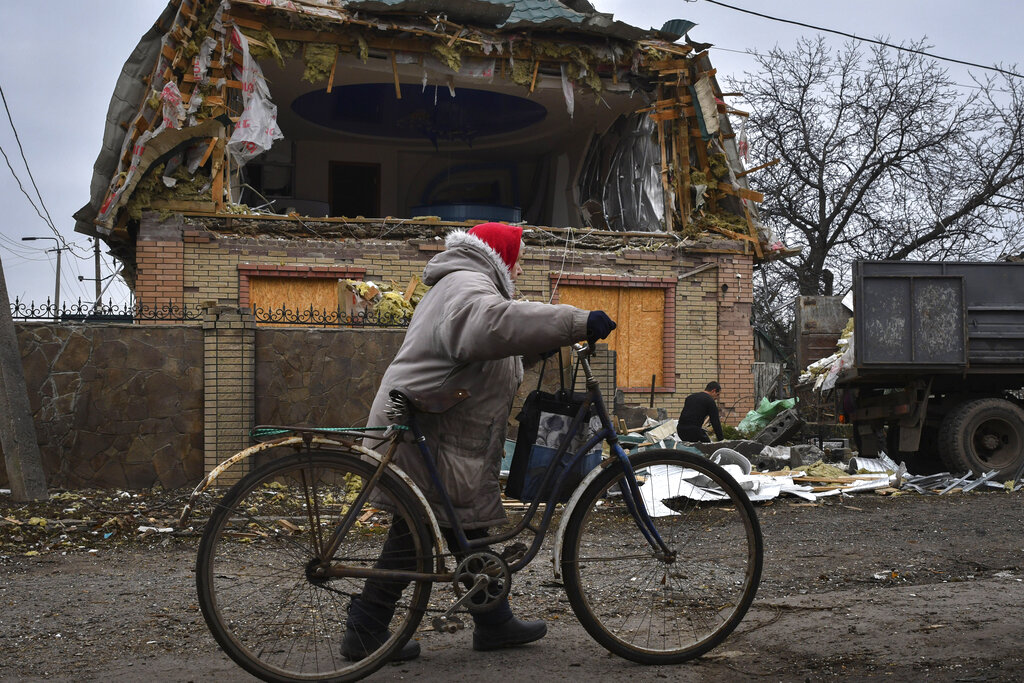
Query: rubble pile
[(368, 299), (766, 470)]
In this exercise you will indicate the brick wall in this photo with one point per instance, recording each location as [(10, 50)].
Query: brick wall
[(160, 261), (712, 337)]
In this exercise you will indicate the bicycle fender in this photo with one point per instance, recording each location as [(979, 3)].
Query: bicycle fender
[(366, 454), (556, 550)]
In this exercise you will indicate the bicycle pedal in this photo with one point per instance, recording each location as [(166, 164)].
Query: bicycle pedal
[(513, 552), (447, 624)]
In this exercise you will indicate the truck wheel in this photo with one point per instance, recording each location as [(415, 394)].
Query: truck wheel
[(982, 435), (925, 460)]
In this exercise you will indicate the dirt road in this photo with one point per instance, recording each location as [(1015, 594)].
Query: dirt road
[(906, 587)]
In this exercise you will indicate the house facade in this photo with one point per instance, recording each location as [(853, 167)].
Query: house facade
[(261, 152)]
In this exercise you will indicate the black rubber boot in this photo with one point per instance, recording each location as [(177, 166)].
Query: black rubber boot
[(510, 633), (359, 645), (370, 614)]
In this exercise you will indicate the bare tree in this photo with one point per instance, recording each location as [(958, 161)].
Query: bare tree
[(882, 156)]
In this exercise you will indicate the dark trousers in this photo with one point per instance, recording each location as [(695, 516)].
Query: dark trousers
[(690, 433), (373, 609)]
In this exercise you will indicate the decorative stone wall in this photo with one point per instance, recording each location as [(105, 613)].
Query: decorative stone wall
[(324, 377), (122, 406), (115, 406)]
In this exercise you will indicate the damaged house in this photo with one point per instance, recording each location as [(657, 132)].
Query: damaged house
[(257, 153)]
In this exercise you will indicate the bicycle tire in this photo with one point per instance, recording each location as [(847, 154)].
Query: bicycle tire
[(643, 608), (265, 612)]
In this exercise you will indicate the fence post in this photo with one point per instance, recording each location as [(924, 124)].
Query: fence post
[(229, 339)]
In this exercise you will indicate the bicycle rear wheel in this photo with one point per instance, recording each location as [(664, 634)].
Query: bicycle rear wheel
[(662, 610), (258, 592)]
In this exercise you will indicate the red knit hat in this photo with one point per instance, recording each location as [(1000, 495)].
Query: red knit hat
[(504, 239)]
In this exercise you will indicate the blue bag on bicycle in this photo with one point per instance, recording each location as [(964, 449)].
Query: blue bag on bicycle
[(543, 425)]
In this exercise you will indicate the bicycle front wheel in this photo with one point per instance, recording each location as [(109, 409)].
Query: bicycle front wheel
[(255, 573), (641, 604)]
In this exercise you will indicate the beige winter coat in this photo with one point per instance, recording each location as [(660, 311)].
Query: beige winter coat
[(468, 333)]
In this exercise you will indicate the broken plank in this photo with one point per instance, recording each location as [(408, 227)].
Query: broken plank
[(177, 205), (837, 479), (729, 233), (248, 23), (667, 64), (664, 167), (394, 74), (758, 168), (741, 192), (411, 288), (753, 231), (334, 65)]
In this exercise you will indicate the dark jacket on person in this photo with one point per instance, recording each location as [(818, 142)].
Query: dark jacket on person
[(696, 408)]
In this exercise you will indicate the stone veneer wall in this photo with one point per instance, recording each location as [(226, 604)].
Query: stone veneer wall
[(115, 405), (325, 377), (713, 336), (122, 406)]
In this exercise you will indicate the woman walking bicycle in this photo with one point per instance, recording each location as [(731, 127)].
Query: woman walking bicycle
[(467, 333)]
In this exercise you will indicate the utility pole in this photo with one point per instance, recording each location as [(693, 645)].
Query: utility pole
[(56, 292), (17, 431)]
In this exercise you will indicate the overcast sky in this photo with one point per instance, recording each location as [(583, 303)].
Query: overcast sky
[(60, 59)]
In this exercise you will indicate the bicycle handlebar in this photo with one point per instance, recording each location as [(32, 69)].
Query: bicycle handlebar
[(584, 352)]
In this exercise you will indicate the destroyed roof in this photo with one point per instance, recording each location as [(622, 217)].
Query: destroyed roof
[(180, 63), (515, 15)]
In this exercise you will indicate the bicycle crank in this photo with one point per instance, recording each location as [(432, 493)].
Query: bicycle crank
[(486, 579)]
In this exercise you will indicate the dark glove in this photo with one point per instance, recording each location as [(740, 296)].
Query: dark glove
[(599, 326)]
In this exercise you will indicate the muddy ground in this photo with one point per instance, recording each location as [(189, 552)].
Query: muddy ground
[(869, 587)]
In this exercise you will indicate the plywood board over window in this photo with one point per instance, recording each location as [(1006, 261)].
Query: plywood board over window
[(306, 297), (645, 315), (305, 293)]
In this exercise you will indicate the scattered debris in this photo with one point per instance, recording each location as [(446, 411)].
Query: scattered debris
[(765, 471)]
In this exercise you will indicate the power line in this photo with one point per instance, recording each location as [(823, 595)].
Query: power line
[(755, 53), (22, 188), (866, 40), (17, 138)]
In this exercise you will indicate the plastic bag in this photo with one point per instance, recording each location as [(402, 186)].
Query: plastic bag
[(760, 417), (257, 128)]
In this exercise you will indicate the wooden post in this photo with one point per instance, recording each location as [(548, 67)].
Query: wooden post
[(394, 73), (17, 431), (665, 187)]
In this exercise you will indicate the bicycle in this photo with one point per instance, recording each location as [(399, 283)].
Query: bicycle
[(652, 573)]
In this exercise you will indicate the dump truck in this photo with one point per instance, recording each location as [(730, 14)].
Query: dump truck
[(937, 378)]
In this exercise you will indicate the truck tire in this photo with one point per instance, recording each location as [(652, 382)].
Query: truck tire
[(925, 460), (982, 435)]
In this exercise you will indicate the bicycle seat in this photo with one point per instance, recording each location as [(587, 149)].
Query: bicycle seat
[(432, 401)]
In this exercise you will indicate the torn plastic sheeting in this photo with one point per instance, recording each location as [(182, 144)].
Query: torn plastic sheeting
[(568, 91), (704, 96), (662, 431), (622, 171), (257, 128), (668, 482)]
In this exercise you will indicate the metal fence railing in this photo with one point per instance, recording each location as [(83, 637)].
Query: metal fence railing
[(133, 312)]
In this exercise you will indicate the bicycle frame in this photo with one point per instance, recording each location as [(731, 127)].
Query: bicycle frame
[(631, 494)]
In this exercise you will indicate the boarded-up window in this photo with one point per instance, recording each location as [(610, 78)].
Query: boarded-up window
[(309, 298), (293, 294), (639, 338)]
